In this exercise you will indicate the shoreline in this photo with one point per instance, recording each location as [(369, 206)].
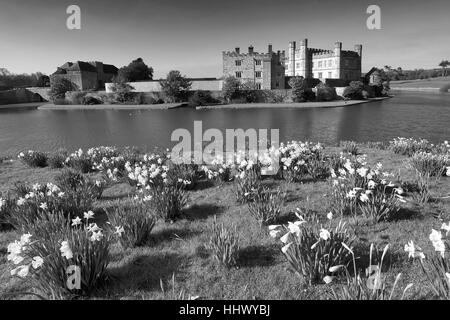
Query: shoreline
[(165, 106), (294, 105)]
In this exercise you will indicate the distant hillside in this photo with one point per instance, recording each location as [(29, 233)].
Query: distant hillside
[(433, 84)]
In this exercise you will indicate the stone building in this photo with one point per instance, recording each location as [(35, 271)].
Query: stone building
[(86, 75), (264, 70), (322, 63)]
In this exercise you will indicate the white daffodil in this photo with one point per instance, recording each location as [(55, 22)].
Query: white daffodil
[(324, 234), (119, 231), (76, 222), (435, 236), (96, 236), (37, 262), (89, 215), (66, 252), (330, 215), (43, 206), (23, 271), (285, 238), (328, 279)]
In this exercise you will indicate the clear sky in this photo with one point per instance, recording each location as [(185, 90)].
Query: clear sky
[(189, 35)]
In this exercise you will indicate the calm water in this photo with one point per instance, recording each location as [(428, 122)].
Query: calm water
[(408, 115)]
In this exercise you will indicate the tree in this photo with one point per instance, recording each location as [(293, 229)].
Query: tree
[(43, 81), (354, 91), (137, 70), (299, 87), (176, 87), (122, 91), (444, 64), (59, 88), (231, 88)]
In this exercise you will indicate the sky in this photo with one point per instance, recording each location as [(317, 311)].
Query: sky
[(190, 35)]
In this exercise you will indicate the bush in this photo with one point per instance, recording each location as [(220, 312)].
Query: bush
[(312, 250), (354, 91), (231, 88), (224, 244), (72, 182), (57, 159), (137, 221), (51, 246), (90, 100), (299, 87), (201, 98), (325, 93), (34, 159), (59, 88), (122, 91), (75, 97), (266, 206), (176, 87)]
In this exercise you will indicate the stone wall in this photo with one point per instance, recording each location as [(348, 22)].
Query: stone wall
[(154, 86)]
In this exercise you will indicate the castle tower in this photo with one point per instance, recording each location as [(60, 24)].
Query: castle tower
[(291, 57), (358, 49), (337, 56), (305, 68)]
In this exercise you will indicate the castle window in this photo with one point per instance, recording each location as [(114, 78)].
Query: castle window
[(238, 63), (330, 62), (320, 75), (238, 74), (330, 75), (277, 84), (258, 86), (320, 65), (347, 63), (258, 74), (297, 65), (258, 62)]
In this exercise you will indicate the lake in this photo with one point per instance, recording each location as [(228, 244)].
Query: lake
[(419, 115)]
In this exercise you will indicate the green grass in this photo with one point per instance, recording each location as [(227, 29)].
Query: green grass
[(425, 83), (178, 249)]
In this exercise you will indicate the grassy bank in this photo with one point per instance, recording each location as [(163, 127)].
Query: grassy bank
[(433, 84), (176, 262)]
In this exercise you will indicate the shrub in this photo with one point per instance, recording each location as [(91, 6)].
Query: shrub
[(312, 250), (318, 165), (176, 87), (371, 285), (231, 88), (137, 222), (122, 91), (325, 93), (201, 98), (56, 159), (34, 158), (299, 87), (82, 188), (51, 245), (350, 147), (266, 206), (75, 97), (59, 88), (224, 244), (354, 91), (90, 100)]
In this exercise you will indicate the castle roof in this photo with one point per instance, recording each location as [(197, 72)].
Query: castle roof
[(84, 66)]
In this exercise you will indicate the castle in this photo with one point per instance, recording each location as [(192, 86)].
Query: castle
[(86, 75), (271, 70)]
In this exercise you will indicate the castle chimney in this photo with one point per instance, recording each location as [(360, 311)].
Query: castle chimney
[(250, 50), (269, 50), (237, 49)]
